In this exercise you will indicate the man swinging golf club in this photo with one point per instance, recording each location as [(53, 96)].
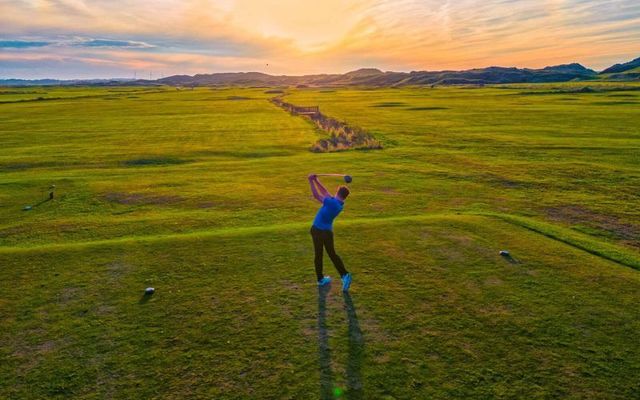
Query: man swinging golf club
[(322, 230)]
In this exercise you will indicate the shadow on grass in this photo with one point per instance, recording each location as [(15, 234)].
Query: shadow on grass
[(41, 202), (28, 208), (354, 389), (356, 351), (145, 298), (326, 375), (510, 259)]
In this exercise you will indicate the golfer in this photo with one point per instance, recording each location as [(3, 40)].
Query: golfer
[(322, 230)]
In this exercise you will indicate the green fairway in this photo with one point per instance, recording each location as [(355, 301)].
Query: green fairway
[(203, 195)]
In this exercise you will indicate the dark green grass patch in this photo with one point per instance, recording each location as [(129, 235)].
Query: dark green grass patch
[(426, 108), (389, 104), (586, 90), (22, 166), (614, 103), (154, 161), (239, 154), (22, 92), (30, 100)]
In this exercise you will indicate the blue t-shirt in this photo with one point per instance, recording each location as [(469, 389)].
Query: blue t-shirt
[(330, 209)]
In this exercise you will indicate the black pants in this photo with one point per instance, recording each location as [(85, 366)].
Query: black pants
[(325, 239)]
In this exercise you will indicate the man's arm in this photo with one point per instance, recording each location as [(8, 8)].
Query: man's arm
[(323, 190), (312, 182)]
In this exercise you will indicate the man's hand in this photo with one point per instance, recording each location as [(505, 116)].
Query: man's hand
[(313, 182)]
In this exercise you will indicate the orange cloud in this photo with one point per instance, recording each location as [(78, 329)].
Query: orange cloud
[(293, 36)]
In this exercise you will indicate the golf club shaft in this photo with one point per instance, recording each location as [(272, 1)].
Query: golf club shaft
[(331, 175)]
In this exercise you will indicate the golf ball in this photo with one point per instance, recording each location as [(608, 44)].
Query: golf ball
[(149, 290)]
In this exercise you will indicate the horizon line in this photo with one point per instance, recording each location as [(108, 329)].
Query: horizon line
[(307, 74)]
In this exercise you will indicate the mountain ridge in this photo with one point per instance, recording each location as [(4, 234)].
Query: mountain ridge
[(376, 77), (373, 77), (617, 68)]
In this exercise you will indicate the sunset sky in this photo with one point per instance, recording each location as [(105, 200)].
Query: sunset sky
[(111, 38)]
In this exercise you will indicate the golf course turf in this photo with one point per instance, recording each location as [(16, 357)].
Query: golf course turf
[(203, 195)]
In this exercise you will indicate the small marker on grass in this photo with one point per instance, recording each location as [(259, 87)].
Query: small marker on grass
[(507, 256), (52, 189)]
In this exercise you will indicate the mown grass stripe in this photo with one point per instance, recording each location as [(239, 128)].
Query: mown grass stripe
[(601, 249), (582, 242), (235, 231)]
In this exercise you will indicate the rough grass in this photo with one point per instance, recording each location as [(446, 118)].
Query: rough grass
[(218, 223), (235, 316)]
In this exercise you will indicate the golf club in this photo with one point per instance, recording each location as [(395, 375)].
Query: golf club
[(347, 178)]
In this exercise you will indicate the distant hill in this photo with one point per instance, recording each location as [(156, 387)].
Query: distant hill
[(375, 77), (617, 68), (623, 72)]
